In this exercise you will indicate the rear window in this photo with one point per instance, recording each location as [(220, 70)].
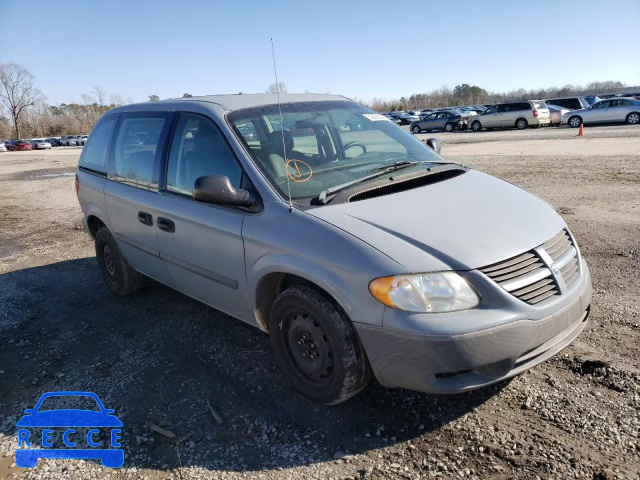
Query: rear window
[(540, 105)]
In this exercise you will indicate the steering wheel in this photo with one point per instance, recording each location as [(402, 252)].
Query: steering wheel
[(349, 145)]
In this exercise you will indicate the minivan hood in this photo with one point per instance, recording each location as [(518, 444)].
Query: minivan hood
[(462, 223)]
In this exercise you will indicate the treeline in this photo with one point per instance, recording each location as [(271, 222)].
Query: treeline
[(466, 94)]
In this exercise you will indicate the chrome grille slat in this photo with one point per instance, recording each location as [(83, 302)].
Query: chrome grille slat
[(542, 297), (532, 287), (528, 276), (507, 263), (518, 273), (514, 267), (559, 248), (526, 279), (539, 291)]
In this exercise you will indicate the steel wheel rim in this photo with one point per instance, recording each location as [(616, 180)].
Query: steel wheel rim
[(416, 130), (309, 349), (634, 118), (448, 128), (109, 263), (574, 122), (521, 124), (476, 126)]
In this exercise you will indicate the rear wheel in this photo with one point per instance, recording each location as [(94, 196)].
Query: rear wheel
[(415, 129), (317, 346), (448, 127), (116, 272), (575, 121), (476, 126), (633, 118), (521, 124)]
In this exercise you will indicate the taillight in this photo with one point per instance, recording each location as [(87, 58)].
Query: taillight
[(77, 185), (535, 113)]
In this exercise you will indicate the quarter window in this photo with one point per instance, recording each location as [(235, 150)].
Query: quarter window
[(94, 154), (136, 146), (197, 150)]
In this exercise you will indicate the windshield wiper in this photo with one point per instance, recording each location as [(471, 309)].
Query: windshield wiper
[(379, 172)]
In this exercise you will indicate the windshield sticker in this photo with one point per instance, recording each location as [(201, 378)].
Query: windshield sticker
[(298, 170), (375, 117)]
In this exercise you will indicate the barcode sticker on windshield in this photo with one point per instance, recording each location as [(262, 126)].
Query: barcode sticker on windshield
[(375, 117)]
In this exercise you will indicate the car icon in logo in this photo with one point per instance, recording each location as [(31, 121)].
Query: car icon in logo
[(61, 423)]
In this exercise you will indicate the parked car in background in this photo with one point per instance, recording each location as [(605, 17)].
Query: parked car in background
[(54, 141), (72, 140), (614, 110), (67, 140), (404, 118), (81, 139), (574, 103), (591, 99), (19, 146), (3, 148), (447, 121), (520, 115), (555, 114), (40, 145)]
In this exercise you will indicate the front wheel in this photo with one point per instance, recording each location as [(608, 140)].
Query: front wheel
[(633, 118), (575, 121), (475, 126), (415, 129), (448, 127), (116, 272), (317, 346)]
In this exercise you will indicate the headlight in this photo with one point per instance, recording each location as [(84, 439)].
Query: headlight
[(425, 293)]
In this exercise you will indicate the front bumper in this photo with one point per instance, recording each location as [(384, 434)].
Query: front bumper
[(466, 361)]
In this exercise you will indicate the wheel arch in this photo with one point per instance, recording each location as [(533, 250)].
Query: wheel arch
[(267, 281), (515, 124)]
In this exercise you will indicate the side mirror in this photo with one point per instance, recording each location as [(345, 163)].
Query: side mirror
[(435, 144), (218, 189)]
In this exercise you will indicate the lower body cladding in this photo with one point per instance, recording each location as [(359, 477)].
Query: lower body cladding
[(466, 361)]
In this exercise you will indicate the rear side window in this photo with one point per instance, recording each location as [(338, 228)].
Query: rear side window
[(136, 145), (197, 150), (94, 154)]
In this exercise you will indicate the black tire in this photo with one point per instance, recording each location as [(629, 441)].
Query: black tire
[(448, 127), (116, 272), (575, 121), (317, 346), (476, 126), (521, 123), (633, 118), (415, 129)]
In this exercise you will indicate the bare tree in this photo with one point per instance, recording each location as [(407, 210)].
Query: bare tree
[(100, 95), (17, 91), (279, 87), (154, 98)]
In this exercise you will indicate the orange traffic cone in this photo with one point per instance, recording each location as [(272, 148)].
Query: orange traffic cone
[(581, 131)]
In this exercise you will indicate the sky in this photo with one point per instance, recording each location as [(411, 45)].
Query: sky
[(357, 48)]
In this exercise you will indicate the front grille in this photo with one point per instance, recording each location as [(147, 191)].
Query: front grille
[(528, 276), (565, 255)]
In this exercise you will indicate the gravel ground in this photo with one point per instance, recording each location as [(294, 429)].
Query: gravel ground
[(158, 357)]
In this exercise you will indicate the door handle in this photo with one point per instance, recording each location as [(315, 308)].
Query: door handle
[(146, 218), (166, 225)]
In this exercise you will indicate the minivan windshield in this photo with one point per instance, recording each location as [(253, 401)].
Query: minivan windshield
[(325, 143)]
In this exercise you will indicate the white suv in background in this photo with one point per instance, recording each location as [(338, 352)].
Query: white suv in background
[(518, 115)]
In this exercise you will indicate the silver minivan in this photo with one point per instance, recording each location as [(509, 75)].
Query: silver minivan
[(359, 250), (520, 115)]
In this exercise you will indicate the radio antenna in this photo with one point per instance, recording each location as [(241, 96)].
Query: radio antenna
[(284, 148)]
